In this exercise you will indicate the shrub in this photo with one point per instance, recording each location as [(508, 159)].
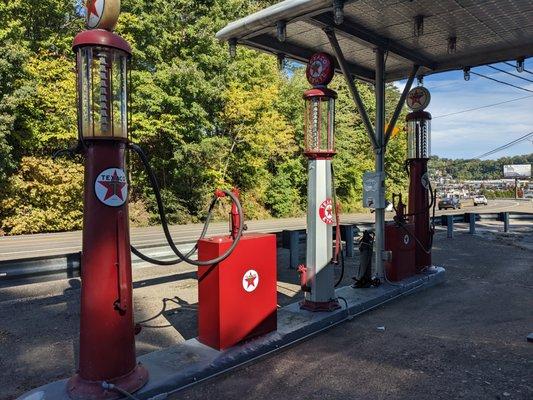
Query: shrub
[(43, 196)]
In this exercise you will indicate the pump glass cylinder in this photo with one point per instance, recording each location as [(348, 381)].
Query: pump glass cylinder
[(419, 135), (102, 92), (319, 122)]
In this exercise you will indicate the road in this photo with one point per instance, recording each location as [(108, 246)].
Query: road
[(39, 245)]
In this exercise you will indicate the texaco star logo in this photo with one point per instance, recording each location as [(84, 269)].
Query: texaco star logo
[(418, 98), (250, 280), (94, 12), (325, 211), (320, 69), (111, 187)]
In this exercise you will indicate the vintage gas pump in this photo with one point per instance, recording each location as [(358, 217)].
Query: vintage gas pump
[(318, 273), (421, 197), (107, 344)]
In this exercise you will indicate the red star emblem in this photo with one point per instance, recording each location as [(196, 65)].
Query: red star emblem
[(114, 187), (91, 7), (250, 279), (415, 98), (315, 68)]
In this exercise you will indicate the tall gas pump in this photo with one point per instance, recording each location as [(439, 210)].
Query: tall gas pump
[(318, 273), (107, 342), (421, 197)]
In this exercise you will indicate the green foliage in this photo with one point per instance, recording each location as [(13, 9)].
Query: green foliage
[(476, 169), (43, 196), (498, 194), (204, 120)]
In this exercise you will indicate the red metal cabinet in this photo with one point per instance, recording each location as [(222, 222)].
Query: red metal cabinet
[(402, 245), (237, 298)]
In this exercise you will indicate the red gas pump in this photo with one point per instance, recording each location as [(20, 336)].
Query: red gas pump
[(107, 343), (421, 197)]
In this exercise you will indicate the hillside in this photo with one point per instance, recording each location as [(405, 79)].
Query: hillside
[(475, 169)]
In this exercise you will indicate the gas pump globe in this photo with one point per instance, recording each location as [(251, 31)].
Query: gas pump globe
[(418, 135), (102, 69), (319, 123)]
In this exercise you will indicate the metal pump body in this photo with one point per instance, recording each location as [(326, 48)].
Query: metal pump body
[(319, 150), (107, 334), (418, 153)]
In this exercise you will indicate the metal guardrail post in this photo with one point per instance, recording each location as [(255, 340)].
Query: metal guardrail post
[(472, 222), (505, 219), (291, 239), (449, 224), (347, 234)]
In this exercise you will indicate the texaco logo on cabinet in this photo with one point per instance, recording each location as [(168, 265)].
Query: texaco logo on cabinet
[(111, 187), (250, 280)]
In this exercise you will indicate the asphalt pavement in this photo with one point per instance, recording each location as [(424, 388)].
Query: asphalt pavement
[(463, 339), (39, 245)]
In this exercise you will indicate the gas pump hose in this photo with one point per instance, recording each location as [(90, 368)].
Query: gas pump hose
[(338, 239), (164, 223)]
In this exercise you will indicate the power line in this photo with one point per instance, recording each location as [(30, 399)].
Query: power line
[(502, 82), (514, 66), (507, 145), (482, 107), (509, 73)]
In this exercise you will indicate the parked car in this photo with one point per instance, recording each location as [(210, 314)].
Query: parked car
[(450, 202), (479, 200)]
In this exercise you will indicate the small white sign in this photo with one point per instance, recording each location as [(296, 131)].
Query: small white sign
[(517, 171), (111, 187), (250, 280)]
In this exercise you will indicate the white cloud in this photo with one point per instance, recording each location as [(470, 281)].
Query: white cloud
[(472, 133)]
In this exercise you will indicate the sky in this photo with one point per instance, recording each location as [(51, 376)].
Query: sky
[(470, 134)]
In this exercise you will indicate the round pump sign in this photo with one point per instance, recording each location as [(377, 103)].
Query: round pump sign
[(418, 98), (320, 69), (111, 187), (102, 14), (325, 211)]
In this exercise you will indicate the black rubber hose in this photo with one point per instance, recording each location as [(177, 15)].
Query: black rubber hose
[(164, 224), (155, 261), (342, 270), (336, 216)]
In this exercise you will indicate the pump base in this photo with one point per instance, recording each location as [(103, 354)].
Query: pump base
[(81, 389), (316, 306)]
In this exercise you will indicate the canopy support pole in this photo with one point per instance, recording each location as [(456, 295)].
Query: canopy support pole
[(380, 159), (399, 106), (351, 84)]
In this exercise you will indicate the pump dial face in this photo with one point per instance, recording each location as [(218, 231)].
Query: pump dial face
[(102, 14), (320, 69), (418, 98)]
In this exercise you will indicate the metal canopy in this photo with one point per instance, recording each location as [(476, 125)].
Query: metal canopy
[(485, 31)]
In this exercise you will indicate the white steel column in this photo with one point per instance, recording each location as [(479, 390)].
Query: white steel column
[(380, 158), (319, 234)]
